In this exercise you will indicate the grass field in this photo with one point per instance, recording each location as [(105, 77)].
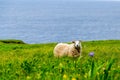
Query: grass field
[(20, 61)]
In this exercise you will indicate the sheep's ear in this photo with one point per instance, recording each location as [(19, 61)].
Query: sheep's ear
[(73, 41)]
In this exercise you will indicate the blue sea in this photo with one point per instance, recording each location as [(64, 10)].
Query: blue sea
[(38, 21)]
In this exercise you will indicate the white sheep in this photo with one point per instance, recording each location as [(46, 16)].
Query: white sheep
[(71, 50)]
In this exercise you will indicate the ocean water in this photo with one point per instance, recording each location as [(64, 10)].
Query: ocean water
[(35, 21)]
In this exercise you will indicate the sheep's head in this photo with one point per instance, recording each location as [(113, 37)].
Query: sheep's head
[(77, 44)]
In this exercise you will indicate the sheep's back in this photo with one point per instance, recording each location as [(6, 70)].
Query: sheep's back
[(61, 49)]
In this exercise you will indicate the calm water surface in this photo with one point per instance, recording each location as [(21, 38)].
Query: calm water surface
[(35, 21)]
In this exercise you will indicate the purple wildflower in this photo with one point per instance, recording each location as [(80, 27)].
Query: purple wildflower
[(91, 54)]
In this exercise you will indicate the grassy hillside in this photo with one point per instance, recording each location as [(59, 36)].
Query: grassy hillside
[(36, 62)]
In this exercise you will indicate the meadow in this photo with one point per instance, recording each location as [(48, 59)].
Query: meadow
[(21, 61)]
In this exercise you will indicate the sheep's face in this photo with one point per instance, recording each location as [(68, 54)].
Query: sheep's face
[(77, 44)]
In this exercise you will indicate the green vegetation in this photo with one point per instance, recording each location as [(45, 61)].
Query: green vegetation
[(12, 41), (36, 62)]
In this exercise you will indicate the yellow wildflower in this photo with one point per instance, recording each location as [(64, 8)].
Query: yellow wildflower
[(65, 76), (73, 78)]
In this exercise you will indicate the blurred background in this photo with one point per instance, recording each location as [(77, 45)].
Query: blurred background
[(38, 21)]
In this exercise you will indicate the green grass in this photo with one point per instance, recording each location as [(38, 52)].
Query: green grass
[(36, 62)]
